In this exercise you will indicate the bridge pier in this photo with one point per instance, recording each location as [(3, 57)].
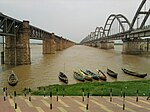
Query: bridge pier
[(64, 44), (10, 50), (46, 46), (70, 43), (52, 44), (59, 44), (94, 44), (67, 43), (49, 45), (136, 46), (17, 49), (105, 45), (89, 44)]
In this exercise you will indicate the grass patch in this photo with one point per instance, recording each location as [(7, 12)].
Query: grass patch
[(98, 88)]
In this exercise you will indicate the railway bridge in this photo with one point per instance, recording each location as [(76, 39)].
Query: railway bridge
[(16, 34), (134, 39)]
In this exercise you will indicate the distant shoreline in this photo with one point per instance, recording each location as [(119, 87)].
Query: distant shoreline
[(36, 43), (118, 43)]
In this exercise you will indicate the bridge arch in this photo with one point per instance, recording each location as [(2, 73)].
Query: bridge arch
[(99, 32), (138, 13), (120, 18)]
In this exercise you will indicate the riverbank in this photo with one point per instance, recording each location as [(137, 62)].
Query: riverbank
[(44, 69), (98, 88)]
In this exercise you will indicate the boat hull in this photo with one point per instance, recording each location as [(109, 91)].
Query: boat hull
[(78, 76), (86, 76), (12, 79), (63, 77), (12, 84), (94, 76), (102, 76), (112, 73), (134, 73)]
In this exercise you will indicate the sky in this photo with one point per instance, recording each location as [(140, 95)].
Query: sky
[(71, 19)]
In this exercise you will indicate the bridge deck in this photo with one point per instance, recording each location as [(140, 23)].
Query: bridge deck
[(74, 104)]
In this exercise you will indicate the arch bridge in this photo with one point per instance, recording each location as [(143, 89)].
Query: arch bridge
[(132, 43)]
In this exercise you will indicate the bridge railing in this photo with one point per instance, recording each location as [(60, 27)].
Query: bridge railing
[(37, 33)]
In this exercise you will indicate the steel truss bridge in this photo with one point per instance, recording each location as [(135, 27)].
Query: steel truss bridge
[(9, 27), (17, 34), (103, 33)]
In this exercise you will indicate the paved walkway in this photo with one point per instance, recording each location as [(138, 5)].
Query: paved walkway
[(74, 104)]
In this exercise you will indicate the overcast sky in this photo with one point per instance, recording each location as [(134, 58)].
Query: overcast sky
[(72, 19)]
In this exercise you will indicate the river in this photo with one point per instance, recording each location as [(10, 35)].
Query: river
[(44, 69)]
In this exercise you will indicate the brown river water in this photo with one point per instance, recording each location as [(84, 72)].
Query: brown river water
[(44, 69)]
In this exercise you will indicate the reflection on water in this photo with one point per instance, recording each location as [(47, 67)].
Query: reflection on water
[(45, 68)]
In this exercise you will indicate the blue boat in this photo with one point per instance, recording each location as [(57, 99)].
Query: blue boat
[(79, 76), (94, 76), (86, 76)]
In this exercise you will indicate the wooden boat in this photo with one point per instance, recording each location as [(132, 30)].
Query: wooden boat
[(102, 76), (86, 76), (112, 73), (94, 76), (12, 79), (78, 76), (63, 77), (134, 73)]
